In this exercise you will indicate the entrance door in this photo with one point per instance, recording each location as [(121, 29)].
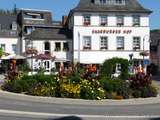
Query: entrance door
[(47, 65)]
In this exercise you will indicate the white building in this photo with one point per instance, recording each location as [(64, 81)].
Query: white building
[(9, 40), (96, 30), (105, 29), (51, 40)]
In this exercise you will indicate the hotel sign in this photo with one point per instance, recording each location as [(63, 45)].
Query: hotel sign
[(105, 31)]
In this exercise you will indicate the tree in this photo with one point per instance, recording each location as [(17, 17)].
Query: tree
[(1, 52)]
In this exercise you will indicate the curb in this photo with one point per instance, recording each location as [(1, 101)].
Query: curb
[(53, 100)]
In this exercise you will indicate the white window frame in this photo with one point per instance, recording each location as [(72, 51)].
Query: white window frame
[(120, 43), (86, 20), (103, 20), (120, 20), (87, 43), (3, 47), (103, 43), (136, 43), (136, 20), (15, 51)]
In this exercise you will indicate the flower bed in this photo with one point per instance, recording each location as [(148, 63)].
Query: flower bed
[(84, 84)]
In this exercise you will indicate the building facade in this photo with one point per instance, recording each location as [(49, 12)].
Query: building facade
[(155, 48), (104, 29), (95, 30), (9, 40), (50, 39)]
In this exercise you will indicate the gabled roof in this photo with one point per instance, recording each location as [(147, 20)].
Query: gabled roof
[(5, 26), (90, 6), (6, 21), (50, 34)]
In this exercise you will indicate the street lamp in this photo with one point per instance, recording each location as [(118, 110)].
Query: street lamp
[(79, 45), (146, 37)]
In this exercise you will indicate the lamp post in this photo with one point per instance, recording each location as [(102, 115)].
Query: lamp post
[(131, 63), (79, 47), (146, 37)]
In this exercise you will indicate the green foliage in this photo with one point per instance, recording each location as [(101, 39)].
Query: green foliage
[(120, 87), (144, 92), (92, 90), (109, 66), (24, 67), (1, 52), (74, 78)]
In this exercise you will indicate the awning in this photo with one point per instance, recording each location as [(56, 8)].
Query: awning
[(12, 56)]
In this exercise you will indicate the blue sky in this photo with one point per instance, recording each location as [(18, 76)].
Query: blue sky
[(62, 7)]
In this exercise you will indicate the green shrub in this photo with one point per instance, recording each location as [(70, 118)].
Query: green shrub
[(120, 87), (109, 66), (146, 91)]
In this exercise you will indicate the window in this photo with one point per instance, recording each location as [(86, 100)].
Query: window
[(104, 43), (29, 30), (110, 2), (102, 2), (65, 46), (120, 20), (14, 26), (120, 2), (103, 20), (87, 20), (14, 48), (136, 20), (57, 46), (136, 43), (47, 48), (87, 43), (3, 47), (120, 43), (33, 16)]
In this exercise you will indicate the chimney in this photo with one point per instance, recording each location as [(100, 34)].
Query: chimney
[(64, 20)]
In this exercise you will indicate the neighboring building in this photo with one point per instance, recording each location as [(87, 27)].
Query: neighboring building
[(49, 38), (103, 29), (155, 47), (9, 40)]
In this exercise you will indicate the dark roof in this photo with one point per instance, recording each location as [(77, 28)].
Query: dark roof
[(155, 37), (5, 26), (50, 34), (130, 6), (6, 21)]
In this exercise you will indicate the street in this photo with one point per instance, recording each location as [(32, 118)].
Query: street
[(17, 109)]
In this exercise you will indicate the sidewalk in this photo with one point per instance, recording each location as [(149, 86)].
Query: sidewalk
[(52, 100)]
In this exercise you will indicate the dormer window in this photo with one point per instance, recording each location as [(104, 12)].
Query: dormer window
[(103, 20), (120, 2), (120, 20), (102, 2), (87, 20), (14, 26), (136, 20), (110, 2), (29, 15)]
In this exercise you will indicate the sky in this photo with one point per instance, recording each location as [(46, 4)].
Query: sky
[(62, 7)]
